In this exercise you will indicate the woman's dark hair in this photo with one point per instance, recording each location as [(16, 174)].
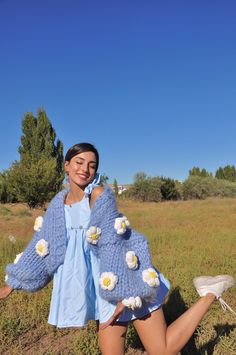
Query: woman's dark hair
[(82, 148)]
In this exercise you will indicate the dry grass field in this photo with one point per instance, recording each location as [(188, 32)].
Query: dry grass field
[(187, 239)]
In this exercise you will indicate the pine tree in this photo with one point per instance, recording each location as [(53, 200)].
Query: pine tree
[(226, 173), (115, 185), (39, 174), (195, 171)]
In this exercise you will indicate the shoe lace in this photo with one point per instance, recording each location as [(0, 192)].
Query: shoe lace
[(225, 306)]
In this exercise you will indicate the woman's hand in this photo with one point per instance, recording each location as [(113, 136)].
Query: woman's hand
[(5, 291), (119, 309)]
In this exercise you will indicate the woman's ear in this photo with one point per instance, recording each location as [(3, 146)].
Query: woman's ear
[(66, 167)]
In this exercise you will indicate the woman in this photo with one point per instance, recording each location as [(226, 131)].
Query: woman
[(101, 268)]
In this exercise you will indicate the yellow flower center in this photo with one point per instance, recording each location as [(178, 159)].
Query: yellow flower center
[(152, 274), (135, 259), (40, 248), (106, 281), (123, 224), (94, 236)]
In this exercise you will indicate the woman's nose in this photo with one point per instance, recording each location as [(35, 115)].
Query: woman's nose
[(85, 168)]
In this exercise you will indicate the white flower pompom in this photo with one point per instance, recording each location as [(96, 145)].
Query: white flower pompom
[(93, 234), (38, 224), (42, 248), (132, 302), (150, 276), (121, 224), (6, 278), (18, 256), (108, 281), (131, 259)]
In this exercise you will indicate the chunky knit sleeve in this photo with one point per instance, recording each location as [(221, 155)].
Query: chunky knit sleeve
[(44, 253), (126, 268), (29, 273)]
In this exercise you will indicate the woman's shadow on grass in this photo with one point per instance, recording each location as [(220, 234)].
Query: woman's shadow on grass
[(173, 308)]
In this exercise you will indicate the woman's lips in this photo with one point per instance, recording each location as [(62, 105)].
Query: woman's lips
[(83, 177)]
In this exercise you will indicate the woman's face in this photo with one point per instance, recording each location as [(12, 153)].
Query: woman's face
[(81, 168)]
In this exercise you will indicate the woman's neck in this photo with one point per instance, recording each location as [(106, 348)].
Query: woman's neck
[(75, 194)]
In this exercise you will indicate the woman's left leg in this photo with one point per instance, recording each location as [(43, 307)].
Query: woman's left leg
[(158, 339), (112, 339)]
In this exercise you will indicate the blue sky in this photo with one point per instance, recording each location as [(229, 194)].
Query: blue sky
[(151, 83)]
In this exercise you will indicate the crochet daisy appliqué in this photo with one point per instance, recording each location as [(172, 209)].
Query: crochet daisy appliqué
[(17, 258), (150, 276), (131, 259), (38, 224), (132, 302), (93, 234), (121, 224), (41, 248), (108, 281)]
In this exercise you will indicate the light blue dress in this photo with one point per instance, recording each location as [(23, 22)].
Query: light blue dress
[(75, 296)]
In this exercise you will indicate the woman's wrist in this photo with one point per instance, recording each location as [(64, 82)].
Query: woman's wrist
[(9, 288)]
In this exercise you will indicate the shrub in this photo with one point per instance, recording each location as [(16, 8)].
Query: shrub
[(196, 187), (169, 189), (153, 189), (147, 189)]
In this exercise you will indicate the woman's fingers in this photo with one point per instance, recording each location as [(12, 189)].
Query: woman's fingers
[(5, 291), (119, 308), (107, 323)]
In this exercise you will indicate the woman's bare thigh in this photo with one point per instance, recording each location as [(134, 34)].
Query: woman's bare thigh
[(152, 332), (112, 339)]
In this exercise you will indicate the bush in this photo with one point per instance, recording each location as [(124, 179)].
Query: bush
[(196, 187), (148, 189), (153, 189), (169, 189)]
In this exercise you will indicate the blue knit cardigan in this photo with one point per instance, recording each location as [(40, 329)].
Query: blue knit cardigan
[(33, 272)]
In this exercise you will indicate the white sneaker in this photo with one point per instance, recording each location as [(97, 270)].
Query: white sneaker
[(215, 285)]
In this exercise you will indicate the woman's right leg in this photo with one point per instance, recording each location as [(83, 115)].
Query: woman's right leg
[(112, 339)]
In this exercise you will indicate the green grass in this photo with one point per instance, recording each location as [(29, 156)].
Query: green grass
[(4, 211), (187, 239)]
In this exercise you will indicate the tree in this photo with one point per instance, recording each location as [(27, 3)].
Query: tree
[(145, 188), (39, 174), (169, 190), (104, 179), (226, 173), (115, 185), (7, 193), (196, 171), (219, 173), (140, 177)]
